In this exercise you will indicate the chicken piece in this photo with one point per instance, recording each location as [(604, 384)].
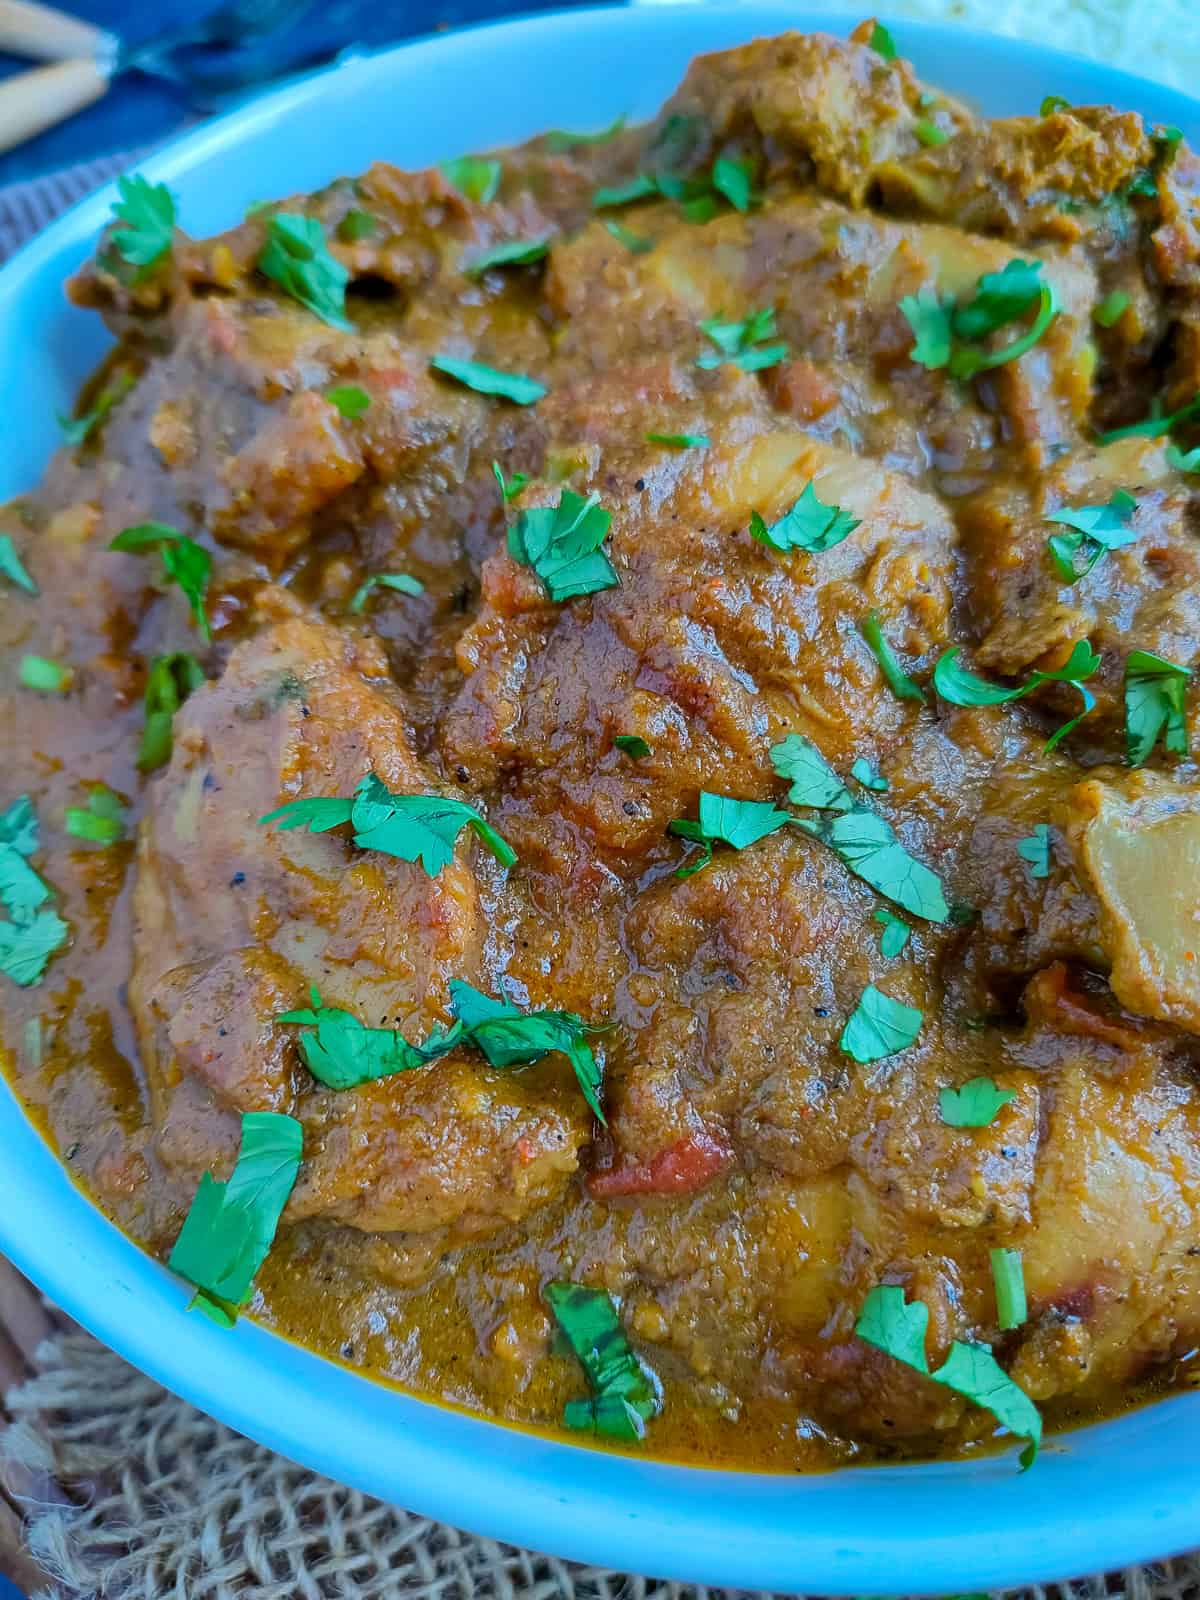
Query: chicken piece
[(235, 920)]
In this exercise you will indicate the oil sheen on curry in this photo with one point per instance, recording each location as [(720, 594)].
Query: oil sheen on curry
[(599, 817)]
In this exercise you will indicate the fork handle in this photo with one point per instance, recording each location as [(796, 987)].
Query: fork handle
[(43, 34), (32, 101)]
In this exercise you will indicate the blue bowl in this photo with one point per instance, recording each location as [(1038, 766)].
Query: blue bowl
[(1106, 1495)]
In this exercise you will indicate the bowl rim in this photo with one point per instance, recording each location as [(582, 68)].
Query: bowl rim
[(960, 1526)]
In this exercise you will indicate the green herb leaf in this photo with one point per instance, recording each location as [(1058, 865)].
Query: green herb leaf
[(474, 176), (813, 781), (1008, 1275), (13, 568), (1155, 696), (183, 562), (894, 1326), (76, 429), (734, 180), (928, 315), (1096, 530), (1183, 461), (972, 1371), (510, 488), (863, 772), (356, 226), (230, 1226), (45, 676), (399, 581), (999, 298), (26, 947), (901, 685), (22, 891), (725, 821), (349, 400), (146, 213), (512, 386), (895, 936), (962, 688), (512, 1038), (412, 827), (1111, 309), (1053, 103), (625, 1393), (558, 141), (742, 342), (512, 253), (680, 441), (634, 242), (882, 43), (19, 826), (946, 334), (632, 744), (809, 525), (342, 1052), (640, 187), (868, 847), (976, 1105), (170, 680), (930, 134), (297, 258), (966, 362), (879, 1026), (101, 821), (1156, 424), (1036, 850), (562, 544), (35, 932)]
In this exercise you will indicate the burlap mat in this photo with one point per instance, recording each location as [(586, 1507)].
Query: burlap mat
[(130, 1494)]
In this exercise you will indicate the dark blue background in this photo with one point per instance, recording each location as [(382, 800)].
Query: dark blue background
[(141, 110)]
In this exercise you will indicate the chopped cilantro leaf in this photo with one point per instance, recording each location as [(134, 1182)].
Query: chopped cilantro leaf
[(901, 685), (35, 932), (962, 688), (562, 544), (863, 772), (412, 827), (512, 253), (999, 298), (1036, 850), (680, 441), (947, 334), (512, 386), (19, 827), (1183, 461), (170, 680), (342, 1052), (399, 581), (356, 225), (45, 676), (1053, 103), (1111, 309), (633, 745), (625, 1394), (882, 43), (723, 820), (22, 891), (809, 525), (13, 568), (976, 1105), (510, 488), (297, 258), (26, 947), (1095, 531), (1155, 695), (734, 180), (930, 134), (895, 935), (230, 1226), (894, 1325), (77, 429), (1009, 1277), (349, 400), (928, 315), (634, 242), (813, 781), (102, 820), (512, 1038), (1155, 425), (742, 342), (558, 141), (146, 214), (183, 562), (640, 187), (474, 176), (879, 1026), (867, 845)]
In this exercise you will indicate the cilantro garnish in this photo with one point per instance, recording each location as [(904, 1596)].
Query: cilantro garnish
[(680, 441), (640, 187), (562, 544), (946, 334), (230, 1226), (863, 772), (474, 176), (412, 827), (742, 342), (559, 141), (101, 821), (625, 1393), (634, 746), (1095, 530), (1156, 424), (971, 1370), (901, 685), (76, 429), (734, 180), (45, 676), (297, 258), (1053, 103), (1111, 309), (896, 934), (1155, 693), (183, 562), (813, 781), (962, 688), (34, 932), (928, 315), (882, 43), (170, 680), (146, 214), (512, 253), (1036, 850), (342, 1052), (349, 400), (1183, 461), (726, 821), (879, 1026), (13, 568), (510, 488), (809, 525), (399, 581), (356, 226), (1008, 1275), (512, 386), (634, 242), (930, 134), (976, 1105), (512, 1038)]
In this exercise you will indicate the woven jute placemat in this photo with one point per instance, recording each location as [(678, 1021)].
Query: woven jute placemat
[(116, 1490)]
